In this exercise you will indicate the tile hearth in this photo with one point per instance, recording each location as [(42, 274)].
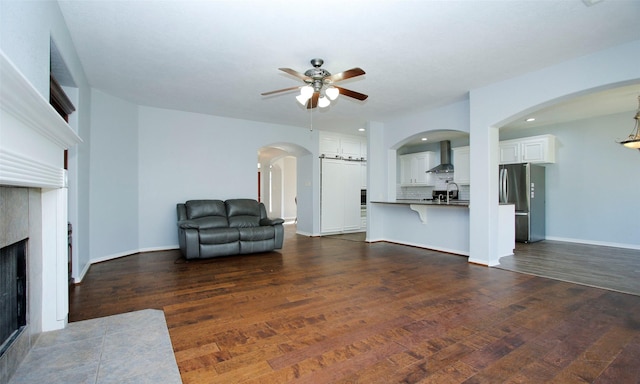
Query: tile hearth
[(129, 348)]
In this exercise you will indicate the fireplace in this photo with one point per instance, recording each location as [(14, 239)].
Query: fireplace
[(33, 206), (13, 293)]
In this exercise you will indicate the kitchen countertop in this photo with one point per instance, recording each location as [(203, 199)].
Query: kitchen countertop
[(452, 203)]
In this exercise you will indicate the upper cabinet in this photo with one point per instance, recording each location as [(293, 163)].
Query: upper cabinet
[(461, 165), (333, 145), (534, 149), (414, 167)]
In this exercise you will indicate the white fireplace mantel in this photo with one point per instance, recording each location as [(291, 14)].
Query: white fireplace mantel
[(32, 134), (33, 138)]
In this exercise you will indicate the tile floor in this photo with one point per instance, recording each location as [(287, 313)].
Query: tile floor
[(129, 348)]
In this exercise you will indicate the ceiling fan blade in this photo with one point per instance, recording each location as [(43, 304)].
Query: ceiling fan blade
[(295, 73), (353, 72), (313, 101), (350, 93), (279, 90)]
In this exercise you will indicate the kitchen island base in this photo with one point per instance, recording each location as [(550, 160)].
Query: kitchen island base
[(438, 226)]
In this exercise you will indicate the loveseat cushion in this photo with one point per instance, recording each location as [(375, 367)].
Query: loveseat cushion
[(256, 233), (203, 208), (243, 213), (219, 236), (214, 250)]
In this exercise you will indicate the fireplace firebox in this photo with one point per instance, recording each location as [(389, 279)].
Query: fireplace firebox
[(13, 292)]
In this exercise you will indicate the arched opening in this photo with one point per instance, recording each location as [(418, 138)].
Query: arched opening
[(590, 186), (422, 151), (277, 186), (588, 164)]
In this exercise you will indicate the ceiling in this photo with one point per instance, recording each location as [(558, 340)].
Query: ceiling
[(216, 57)]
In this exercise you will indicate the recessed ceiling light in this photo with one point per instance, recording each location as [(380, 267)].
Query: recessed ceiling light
[(530, 119), (361, 129), (424, 139)]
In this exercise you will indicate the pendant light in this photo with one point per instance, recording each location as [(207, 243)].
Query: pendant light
[(633, 141)]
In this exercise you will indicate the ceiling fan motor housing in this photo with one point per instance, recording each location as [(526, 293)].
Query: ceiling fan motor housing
[(317, 73)]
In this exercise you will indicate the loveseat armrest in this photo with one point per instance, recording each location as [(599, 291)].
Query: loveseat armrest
[(268, 221), (188, 224), (189, 241)]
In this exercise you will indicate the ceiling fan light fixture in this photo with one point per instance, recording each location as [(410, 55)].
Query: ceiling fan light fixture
[(323, 102), (332, 93), (302, 99), (306, 92)]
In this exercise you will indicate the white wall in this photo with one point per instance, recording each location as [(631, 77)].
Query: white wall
[(186, 156), (401, 128), (114, 177), (24, 37), (592, 189), (289, 190), (283, 187), (274, 203), (308, 188)]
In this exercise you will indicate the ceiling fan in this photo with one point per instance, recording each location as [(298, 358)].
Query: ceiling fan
[(317, 80)]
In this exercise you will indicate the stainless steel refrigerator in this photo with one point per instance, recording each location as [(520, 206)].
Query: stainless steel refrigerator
[(524, 185)]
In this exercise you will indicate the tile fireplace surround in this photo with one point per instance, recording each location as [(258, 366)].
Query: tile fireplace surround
[(33, 204)]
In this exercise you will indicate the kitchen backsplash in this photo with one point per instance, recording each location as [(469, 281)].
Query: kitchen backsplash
[(419, 193)]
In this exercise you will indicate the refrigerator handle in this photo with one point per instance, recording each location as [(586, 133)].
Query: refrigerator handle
[(504, 193), (506, 186), (500, 194)]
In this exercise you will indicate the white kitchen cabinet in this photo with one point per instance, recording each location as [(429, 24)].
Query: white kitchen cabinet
[(539, 149), (406, 177), (340, 196), (510, 152), (461, 165), (333, 145), (363, 175), (330, 146), (414, 167), (534, 149), (350, 147)]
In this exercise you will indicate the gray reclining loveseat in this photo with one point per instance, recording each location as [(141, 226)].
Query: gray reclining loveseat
[(210, 228)]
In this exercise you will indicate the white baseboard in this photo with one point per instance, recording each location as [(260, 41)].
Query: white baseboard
[(119, 255), (439, 249), (155, 249), (82, 274), (592, 242)]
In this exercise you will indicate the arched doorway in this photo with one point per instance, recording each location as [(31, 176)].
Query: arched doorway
[(278, 179)]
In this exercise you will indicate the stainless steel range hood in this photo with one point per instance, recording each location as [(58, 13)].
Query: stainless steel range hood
[(445, 159)]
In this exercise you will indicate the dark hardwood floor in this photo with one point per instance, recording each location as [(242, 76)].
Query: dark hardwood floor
[(325, 310)]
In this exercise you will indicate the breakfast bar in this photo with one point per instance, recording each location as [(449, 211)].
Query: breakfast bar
[(435, 224), (421, 206)]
